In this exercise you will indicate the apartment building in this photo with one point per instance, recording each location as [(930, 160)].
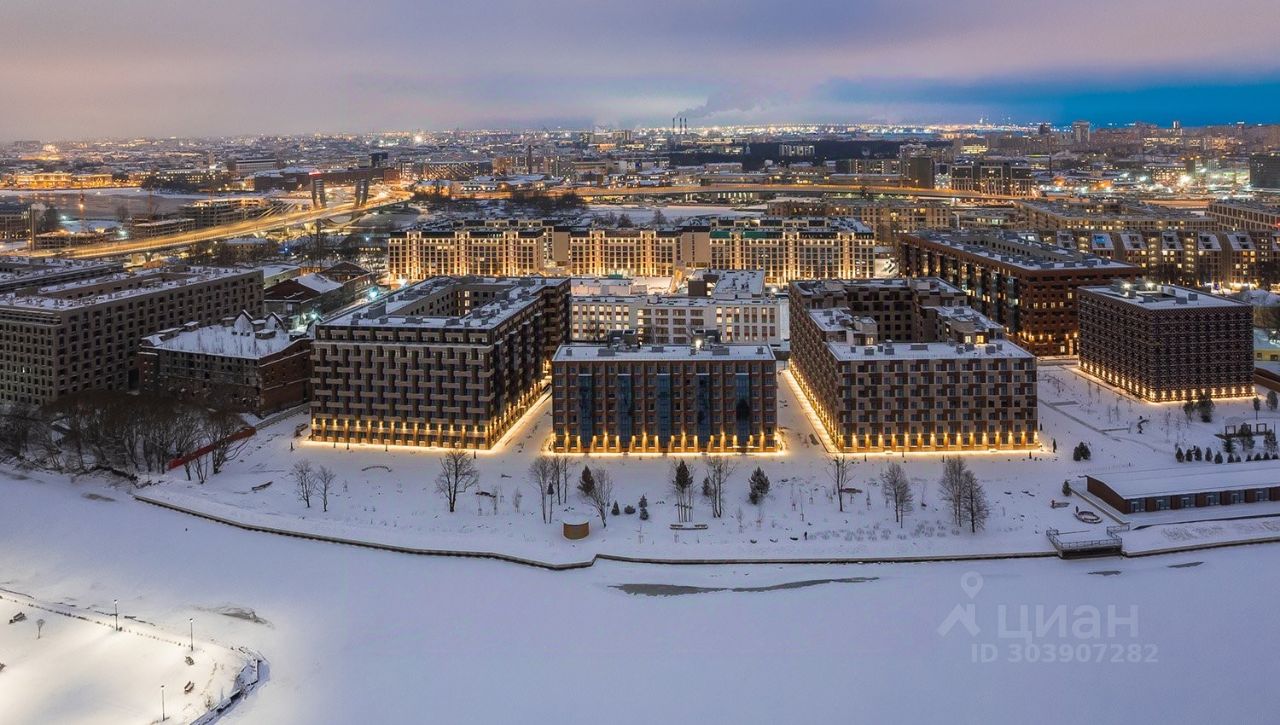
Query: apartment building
[(1166, 343), (784, 248), (734, 304), (1026, 285), (1003, 177), (58, 338), (905, 365), (15, 221), (449, 362), (243, 363), (1250, 216), (659, 398), (1220, 259), (1109, 215)]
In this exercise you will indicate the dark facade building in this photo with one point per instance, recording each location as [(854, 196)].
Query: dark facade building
[(450, 362), (1264, 171), (905, 365), (1136, 492), (83, 334), (15, 221), (1007, 178), (1025, 285), (664, 398), (1165, 343), (243, 364)]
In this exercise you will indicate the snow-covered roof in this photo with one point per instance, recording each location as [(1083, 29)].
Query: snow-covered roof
[(1192, 478), (1149, 295), (241, 337), (714, 351)]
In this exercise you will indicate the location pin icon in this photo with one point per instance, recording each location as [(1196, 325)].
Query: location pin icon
[(971, 583)]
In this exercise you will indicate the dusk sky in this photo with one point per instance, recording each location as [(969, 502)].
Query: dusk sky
[(173, 67)]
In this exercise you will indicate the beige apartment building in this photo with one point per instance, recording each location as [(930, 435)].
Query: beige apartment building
[(784, 248)]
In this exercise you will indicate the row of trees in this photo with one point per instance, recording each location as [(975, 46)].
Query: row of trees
[(116, 430), (959, 490)]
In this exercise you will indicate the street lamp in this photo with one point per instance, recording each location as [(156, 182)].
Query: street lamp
[(191, 622), (163, 717), (115, 603)]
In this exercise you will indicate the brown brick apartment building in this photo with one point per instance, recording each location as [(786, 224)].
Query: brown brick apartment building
[(449, 362), (903, 365), (1026, 285), (1164, 343), (83, 334), (664, 398), (245, 364)]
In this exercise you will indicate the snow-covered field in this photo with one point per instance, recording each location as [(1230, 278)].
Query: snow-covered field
[(357, 635), (67, 665), (389, 497)]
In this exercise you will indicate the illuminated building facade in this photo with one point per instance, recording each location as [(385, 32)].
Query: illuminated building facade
[(1164, 343), (450, 362), (1025, 285), (784, 248), (905, 365), (664, 399)]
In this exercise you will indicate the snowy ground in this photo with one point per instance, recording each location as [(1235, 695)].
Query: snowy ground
[(357, 635), (80, 670), (389, 497)]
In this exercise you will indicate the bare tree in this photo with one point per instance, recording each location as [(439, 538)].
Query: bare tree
[(951, 485), (324, 483), (542, 476), (457, 475), (975, 507), (841, 472), (221, 427), (303, 481), (898, 488), (719, 469), (599, 494), (563, 473)]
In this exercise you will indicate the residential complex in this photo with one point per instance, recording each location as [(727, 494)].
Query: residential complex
[(15, 221), (735, 305), (1025, 285), (784, 248), (242, 363), (904, 365), (449, 362), (1166, 343), (64, 337), (1250, 216), (1109, 215), (1198, 258), (658, 398)]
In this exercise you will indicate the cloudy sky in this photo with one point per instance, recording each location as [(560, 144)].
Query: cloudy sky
[(79, 68)]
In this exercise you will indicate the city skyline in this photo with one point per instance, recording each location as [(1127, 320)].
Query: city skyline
[(292, 67)]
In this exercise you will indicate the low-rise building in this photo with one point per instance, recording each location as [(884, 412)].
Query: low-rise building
[(1165, 343), (664, 398), (1136, 492), (244, 364)]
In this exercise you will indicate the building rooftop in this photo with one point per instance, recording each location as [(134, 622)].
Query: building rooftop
[(96, 290), (1020, 251), (1189, 480), (240, 337), (928, 350), (713, 351), (1150, 295), (410, 306)]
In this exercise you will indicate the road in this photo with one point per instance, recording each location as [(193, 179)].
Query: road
[(244, 228)]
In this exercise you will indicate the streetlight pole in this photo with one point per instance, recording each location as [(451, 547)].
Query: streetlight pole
[(162, 715), (115, 603), (191, 621)]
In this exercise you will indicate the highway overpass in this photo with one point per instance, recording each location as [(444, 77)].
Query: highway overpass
[(224, 231)]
